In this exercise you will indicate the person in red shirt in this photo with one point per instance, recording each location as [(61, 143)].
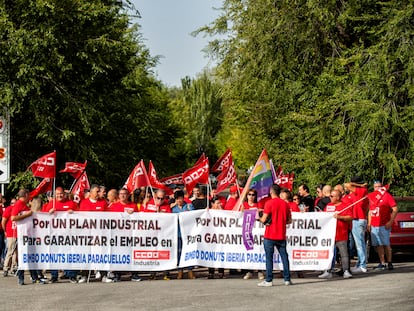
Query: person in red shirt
[(358, 197), (93, 203), (382, 212), (10, 261), (251, 204), (123, 205), (232, 200), (275, 234), (60, 204), (158, 204), (343, 215), (2, 202), (20, 211)]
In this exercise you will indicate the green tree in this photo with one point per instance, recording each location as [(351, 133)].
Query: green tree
[(76, 78), (197, 114), (326, 87)]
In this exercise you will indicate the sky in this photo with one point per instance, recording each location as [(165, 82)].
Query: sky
[(166, 27)]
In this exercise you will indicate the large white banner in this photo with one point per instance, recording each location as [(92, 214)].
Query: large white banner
[(214, 238), (101, 241), (148, 241)]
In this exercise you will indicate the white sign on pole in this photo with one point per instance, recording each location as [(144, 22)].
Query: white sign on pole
[(5, 148)]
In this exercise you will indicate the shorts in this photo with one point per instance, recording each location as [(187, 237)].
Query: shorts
[(380, 236)]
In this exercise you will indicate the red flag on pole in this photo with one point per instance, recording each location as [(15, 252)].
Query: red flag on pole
[(198, 174), (226, 177), (154, 180), (78, 189), (44, 167), (223, 162), (201, 159), (44, 186), (74, 169), (138, 177), (176, 180)]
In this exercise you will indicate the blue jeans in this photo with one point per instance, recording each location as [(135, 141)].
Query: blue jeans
[(359, 226), (269, 246)]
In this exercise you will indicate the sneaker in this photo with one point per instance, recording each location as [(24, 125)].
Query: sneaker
[(97, 275), (347, 275), (287, 283), (260, 276), (380, 267), (390, 266), (107, 280), (247, 276), (166, 278), (265, 284), (136, 278), (110, 275), (358, 270), (73, 280), (82, 280), (20, 283), (325, 275)]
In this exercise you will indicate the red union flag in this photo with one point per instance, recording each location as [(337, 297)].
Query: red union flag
[(223, 162), (227, 177), (74, 169), (153, 179), (198, 174), (78, 189), (44, 186), (44, 167), (138, 178), (173, 180), (201, 159)]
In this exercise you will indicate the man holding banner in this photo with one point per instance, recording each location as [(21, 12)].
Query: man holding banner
[(279, 215)]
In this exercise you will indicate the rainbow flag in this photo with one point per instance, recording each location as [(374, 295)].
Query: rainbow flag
[(262, 178)]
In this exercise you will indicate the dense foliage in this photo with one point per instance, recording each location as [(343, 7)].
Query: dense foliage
[(76, 78), (326, 87)]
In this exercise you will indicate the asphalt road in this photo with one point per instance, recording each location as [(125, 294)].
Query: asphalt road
[(385, 290)]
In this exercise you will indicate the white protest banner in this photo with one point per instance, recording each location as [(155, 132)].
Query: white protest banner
[(101, 241), (311, 241), (214, 239)]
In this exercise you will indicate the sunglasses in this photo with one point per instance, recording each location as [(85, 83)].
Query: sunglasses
[(251, 194)]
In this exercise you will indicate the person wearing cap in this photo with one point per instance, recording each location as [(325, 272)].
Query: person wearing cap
[(232, 200), (382, 212), (358, 197)]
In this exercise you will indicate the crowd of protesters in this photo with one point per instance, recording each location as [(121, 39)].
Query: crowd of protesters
[(357, 211)]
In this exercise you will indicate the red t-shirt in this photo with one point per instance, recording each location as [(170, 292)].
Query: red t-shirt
[(60, 206), (151, 207), (247, 206), (380, 208), (121, 207), (359, 210), (342, 226), (7, 213), (1, 215), (19, 208), (280, 213), (87, 205), (294, 207), (231, 202)]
